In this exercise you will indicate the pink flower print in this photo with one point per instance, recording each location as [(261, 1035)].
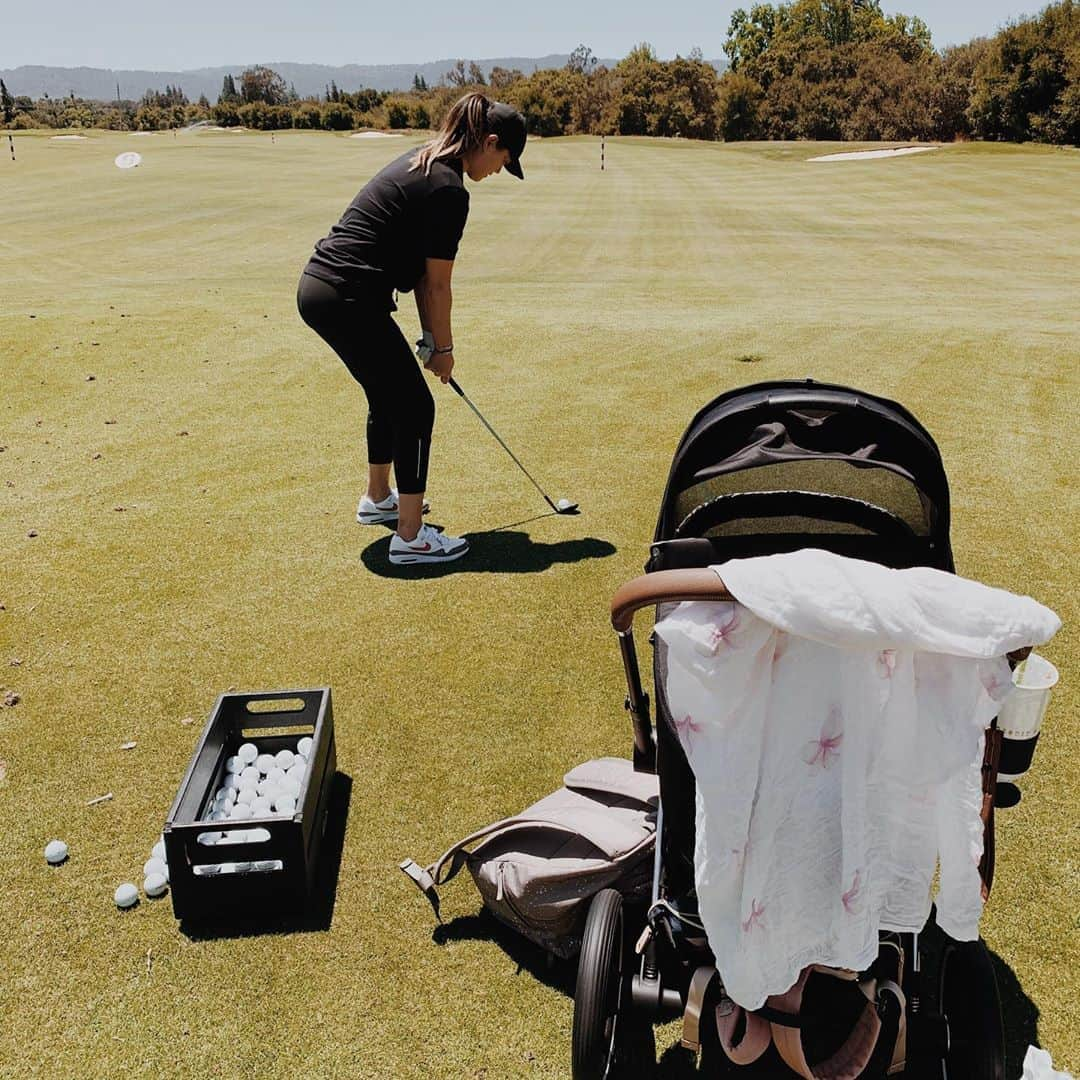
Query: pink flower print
[(686, 729), (722, 632), (825, 749), (851, 898), (886, 663), (780, 647), (754, 919), (996, 679)]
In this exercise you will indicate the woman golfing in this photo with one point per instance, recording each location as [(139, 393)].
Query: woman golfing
[(401, 233)]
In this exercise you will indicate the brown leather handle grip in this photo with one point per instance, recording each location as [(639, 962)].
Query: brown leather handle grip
[(664, 586)]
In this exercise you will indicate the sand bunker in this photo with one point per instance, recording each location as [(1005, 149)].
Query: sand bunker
[(375, 135), (83, 137), (863, 155)]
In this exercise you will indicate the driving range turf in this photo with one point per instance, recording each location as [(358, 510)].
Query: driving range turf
[(193, 508)]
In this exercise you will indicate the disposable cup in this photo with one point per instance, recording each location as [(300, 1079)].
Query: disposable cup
[(1021, 716)]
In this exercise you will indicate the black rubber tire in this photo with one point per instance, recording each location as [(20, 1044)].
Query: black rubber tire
[(599, 991), (970, 1003)]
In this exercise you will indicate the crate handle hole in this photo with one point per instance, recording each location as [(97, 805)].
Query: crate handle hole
[(275, 705)]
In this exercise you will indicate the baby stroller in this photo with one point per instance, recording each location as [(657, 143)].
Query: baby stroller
[(773, 468)]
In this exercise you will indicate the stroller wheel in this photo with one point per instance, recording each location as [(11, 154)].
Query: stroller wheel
[(606, 1042), (970, 1002)]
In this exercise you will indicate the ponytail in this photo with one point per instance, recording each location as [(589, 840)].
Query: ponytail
[(462, 131)]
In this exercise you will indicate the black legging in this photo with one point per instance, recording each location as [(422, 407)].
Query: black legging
[(401, 410)]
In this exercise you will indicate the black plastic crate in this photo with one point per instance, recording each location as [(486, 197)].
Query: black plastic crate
[(267, 877)]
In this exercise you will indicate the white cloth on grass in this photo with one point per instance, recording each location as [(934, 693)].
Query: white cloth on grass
[(1039, 1066), (834, 721)]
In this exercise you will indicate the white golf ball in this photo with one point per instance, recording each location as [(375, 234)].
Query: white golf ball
[(285, 805), (260, 807), (56, 851), (275, 776), (226, 795), (126, 896), (155, 866), (284, 758), (158, 850), (297, 771), (264, 763), (303, 747), (218, 815), (240, 811), (154, 885), (233, 764), (232, 781), (247, 795), (564, 504), (247, 753), (249, 777)]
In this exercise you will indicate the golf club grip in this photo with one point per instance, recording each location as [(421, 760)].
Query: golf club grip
[(454, 386)]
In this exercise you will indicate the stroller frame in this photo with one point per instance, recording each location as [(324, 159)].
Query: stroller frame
[(627, 980)]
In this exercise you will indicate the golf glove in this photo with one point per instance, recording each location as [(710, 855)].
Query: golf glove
[(425, 348)]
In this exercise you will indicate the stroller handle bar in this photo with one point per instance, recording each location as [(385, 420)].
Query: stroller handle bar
[(664, 586)]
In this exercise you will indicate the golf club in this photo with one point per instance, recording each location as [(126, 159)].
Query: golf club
[(563, 506)]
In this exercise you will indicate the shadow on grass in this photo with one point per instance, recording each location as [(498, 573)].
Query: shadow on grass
[(1021, 1016), (496, 551), (319, 913), (1019, 1012), (559, 974)]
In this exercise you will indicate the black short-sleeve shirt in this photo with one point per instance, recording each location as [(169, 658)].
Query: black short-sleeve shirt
[(400, 218)]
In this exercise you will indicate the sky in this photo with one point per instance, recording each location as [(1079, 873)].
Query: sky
[(201, 33)]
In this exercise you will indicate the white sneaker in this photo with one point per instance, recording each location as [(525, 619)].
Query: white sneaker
[(430, 546), (370, 512)]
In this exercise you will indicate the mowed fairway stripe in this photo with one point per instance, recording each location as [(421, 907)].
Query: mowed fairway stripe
[(594, 313)]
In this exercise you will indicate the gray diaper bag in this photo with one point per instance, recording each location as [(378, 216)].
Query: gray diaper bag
[(538, 870)]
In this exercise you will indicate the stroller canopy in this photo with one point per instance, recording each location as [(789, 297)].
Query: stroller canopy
[(803, 460)]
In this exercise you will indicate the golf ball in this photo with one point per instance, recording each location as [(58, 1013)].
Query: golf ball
[(154, 884), (249, 777), (564, 504), (285, 805), (260, 807), (126, 896), (240, 811), (156, 866), (158, 850), (303, 747), (284, 759), (226, 795), (56, 851), (247, 795), (290, 787), (275, 776), (233, 764), (297, 771), (264, 763), (218, 815), (247, 753), (232, 781)]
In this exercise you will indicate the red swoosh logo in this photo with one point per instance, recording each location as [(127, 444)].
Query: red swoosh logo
[(426, 547)]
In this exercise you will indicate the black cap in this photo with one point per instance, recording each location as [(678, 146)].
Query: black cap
[(508, 125)]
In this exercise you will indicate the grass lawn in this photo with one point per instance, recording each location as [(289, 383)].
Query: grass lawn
[(193, 509)]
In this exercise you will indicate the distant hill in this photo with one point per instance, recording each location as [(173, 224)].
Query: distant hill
[(100, 84)]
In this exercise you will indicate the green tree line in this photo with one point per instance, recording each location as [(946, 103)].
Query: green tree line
[(810, 69)]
